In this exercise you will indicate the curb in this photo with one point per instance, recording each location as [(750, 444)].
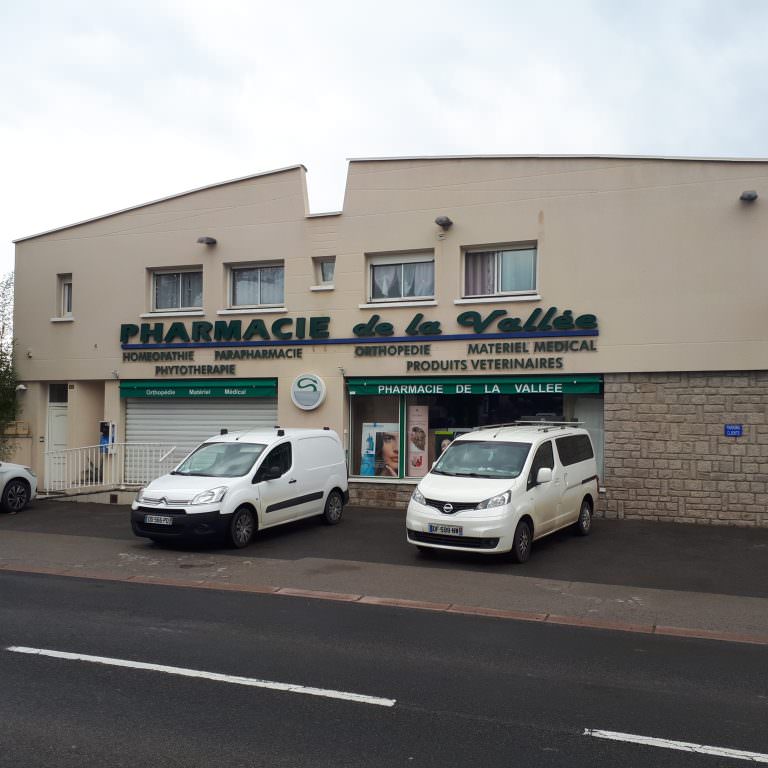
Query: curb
[(392, 602)]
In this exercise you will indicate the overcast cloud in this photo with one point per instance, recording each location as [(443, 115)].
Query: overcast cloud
[(111, 104)]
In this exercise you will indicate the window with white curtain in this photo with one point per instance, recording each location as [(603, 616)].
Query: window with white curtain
[(402, 277), (255, 286), (177, 290), (507, 270)]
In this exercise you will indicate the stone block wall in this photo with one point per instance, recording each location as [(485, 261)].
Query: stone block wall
[(384, 495), (666, 455)]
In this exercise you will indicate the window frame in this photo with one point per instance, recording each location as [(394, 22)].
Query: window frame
[(258, 265), (65, 295), (154, 273), (319, 263), (399, 258), (497, 250)]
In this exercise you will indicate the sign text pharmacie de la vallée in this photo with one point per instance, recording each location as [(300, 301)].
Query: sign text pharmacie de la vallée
[(284, 337)]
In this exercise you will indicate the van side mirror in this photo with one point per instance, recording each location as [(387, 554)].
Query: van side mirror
[(544, 475)]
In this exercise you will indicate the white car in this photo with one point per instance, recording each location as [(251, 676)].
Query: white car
[(241, 482), (500, 488), (19, 486)]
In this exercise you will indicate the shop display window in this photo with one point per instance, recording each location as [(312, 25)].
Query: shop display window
[(375, 436), (402, 436)]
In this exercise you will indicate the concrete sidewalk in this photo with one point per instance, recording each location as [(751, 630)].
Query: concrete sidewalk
[(494, 592)]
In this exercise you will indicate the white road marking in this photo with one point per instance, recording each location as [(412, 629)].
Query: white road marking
[(683, 746), (183, 672)]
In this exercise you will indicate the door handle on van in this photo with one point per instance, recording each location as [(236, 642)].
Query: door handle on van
[(292, 481)]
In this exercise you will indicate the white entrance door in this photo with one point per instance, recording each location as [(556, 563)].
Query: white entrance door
[(56, 440)]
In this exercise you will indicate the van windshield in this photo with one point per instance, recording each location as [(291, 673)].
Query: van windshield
[(221, 460), (482, 458)]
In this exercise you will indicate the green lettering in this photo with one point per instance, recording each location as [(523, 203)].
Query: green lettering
[(227, 331), (256, 328), (201, 330), (177, 330), (277, 328), (318, 327), (126, 331), (155, 333)]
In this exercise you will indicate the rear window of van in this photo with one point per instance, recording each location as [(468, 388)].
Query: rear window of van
[(574, 448)]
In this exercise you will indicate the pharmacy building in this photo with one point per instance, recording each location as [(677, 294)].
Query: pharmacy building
[(623, 293)]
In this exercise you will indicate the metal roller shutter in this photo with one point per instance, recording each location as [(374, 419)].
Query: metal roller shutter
[(186, 423)]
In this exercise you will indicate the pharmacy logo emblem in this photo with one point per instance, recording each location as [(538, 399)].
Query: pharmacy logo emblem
[(307, 391)]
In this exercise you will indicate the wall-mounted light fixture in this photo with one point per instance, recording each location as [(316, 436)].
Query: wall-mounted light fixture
[(21, 387), (206, 240), (748, 196), (444, 222)]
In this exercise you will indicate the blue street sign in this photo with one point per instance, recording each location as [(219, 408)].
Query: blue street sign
[(734, 430)]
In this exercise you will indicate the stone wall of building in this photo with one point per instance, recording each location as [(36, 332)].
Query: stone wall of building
[(382, 495), (666, 454)]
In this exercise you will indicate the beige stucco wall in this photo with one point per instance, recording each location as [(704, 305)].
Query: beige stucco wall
[(662, 251)]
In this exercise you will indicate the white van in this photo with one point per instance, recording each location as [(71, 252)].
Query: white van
[(500, 488), (241, 482)]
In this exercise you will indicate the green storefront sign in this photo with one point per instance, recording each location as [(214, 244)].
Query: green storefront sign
[(226, 388), (477, 385)]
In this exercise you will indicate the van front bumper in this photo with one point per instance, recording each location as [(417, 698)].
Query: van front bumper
[(182, 525), (473, 530)]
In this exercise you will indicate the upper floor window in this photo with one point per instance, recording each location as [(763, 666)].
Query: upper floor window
[(254, 286), (402, 277), (65, 295), (326, 269), (507, 270), (177, 290)]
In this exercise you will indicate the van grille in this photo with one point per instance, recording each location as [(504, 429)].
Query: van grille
[(456, 506)]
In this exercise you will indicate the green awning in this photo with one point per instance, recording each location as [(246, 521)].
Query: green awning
[(476, 385), (204, 389)]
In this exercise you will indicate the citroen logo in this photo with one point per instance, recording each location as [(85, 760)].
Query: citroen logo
[(447, 508)]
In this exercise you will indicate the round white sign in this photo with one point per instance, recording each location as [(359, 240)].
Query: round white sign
[(307, 391)]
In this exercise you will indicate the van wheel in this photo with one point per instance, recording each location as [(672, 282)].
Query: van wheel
[(334, 506), (521, 543), (584, 523), (242, 527)]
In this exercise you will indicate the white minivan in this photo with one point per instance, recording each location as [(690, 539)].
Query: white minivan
[(500, 488), (241, 482)]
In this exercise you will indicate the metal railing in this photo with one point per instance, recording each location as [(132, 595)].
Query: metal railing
[(98, 466)]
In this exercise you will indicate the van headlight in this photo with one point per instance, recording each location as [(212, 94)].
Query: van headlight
[(140, 494), (418, 497), (496, 501), (211, 496)]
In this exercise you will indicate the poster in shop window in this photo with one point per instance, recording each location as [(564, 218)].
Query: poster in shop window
[(418, 429), (380, 450)]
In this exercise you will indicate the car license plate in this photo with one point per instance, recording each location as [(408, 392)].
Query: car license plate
[(450, 530), (158, 519)]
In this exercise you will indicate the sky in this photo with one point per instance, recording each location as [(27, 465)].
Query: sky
[(107, 105)]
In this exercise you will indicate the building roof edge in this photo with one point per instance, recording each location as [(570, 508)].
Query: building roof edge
[(161, 200)]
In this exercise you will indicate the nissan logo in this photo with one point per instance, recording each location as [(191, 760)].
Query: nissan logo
[(447, 508)]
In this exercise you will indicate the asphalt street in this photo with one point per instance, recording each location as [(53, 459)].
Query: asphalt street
[(464, 690), (669, 556)]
